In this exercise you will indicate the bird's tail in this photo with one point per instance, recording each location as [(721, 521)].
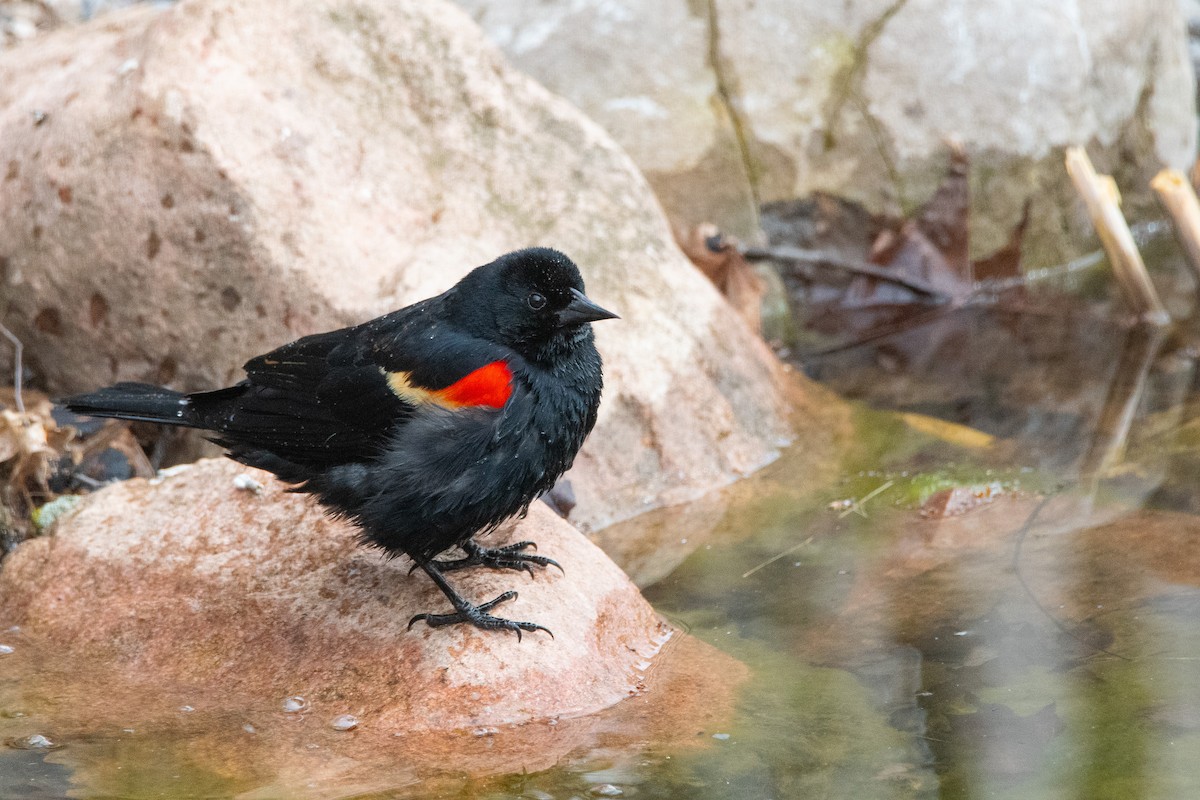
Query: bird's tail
[(142, 402)]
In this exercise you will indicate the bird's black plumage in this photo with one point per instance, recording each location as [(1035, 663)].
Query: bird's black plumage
[(425, 426)]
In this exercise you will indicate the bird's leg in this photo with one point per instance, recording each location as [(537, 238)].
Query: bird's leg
[(506, 557), (465, 611)]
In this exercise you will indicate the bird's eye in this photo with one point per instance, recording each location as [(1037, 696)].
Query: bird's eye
[(537, 301)]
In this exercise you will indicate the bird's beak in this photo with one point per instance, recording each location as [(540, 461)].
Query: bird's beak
[(581, 310)]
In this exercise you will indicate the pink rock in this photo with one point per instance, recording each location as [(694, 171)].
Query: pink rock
[(248, 636), (191, 587)]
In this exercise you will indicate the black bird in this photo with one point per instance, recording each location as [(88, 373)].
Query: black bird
[(425, 426)]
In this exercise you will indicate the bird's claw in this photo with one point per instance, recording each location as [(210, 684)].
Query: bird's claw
[(515, 547), (506, 557), (478, 616)]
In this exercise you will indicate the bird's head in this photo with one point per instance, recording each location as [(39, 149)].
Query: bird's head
[(530, 300)]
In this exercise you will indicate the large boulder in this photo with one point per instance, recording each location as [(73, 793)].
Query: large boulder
[(183, 189), (191, 581), (200, 605), (730, 103)]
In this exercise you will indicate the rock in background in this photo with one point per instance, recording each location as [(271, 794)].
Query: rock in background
[(182, 189), (22, 20), (728, 104)]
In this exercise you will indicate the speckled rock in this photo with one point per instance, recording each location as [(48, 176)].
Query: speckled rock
[(729, 102), (183, 189), (24, 20), (244, 599)]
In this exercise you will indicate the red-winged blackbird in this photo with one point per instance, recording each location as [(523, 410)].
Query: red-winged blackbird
[(425, 426)]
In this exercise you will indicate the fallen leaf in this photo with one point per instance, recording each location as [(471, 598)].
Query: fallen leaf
[(950, 432), (1005, 263)]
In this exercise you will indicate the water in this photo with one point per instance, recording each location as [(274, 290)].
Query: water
[(1033, 636)]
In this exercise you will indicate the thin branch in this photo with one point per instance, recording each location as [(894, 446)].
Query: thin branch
[(773, 559), (997, 285), (824, 258), (1021, 534), (18, 349), (859, 507), (884, 332)]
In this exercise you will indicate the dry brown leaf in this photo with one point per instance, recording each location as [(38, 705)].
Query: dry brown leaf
[(24, 449), (1005, 263)]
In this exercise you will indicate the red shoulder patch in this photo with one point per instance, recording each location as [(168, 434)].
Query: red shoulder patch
[(490, 385)]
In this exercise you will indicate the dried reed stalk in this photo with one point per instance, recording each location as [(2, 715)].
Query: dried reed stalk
[(1179, 198), (1100, 195)]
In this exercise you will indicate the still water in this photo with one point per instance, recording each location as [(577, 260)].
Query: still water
[(1006, 607)]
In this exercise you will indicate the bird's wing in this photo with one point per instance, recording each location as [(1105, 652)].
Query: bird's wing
[(341, 396)]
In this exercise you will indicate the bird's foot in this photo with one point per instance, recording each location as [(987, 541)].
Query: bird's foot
[(507, 557), (477, 615)]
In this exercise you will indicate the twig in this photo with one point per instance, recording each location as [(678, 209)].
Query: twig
[(824, 258), (1179, 198), (1024, 532), (1126, 394), (857, 508), (995, 286), (18, 349), (1099, 194), (884, 332), (773, 559)]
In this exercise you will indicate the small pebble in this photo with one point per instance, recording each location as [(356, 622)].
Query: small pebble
[(344, 722), (169, 472), (246, 483), (248, 728), (294, 704), (187, 709), (5, 649), (35, 741), (606, 790)]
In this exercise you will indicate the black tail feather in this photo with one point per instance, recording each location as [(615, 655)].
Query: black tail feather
[(140, 402)]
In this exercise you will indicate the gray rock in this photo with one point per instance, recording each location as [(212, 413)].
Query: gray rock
[(23, 20), (728, 102)]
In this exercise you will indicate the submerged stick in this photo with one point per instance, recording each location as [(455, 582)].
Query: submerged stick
[(1100, 196), (1126, 394), (1179, 198)]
